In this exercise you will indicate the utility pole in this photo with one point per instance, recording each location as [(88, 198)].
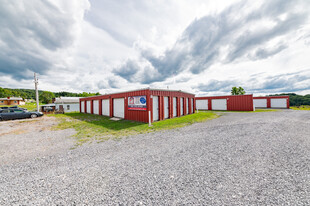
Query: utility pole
[(36, 88)]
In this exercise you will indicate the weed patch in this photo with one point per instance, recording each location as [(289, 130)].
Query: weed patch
[(302, 107), (100, 128)]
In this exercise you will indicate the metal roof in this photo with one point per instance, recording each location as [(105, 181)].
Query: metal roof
[(63, 100), (68, 98), (12, 98), (170, 90), (152, 89), (48, 105)]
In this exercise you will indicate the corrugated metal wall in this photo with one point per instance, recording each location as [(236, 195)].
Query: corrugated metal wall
[(275, 97), (142, 116), (170, 94), (234, 102)]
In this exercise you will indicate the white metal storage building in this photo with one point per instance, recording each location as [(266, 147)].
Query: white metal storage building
[(67, 104), (280, 102)]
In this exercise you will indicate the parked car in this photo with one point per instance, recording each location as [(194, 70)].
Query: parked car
[(10, 114), (13, 107), (16, 107)]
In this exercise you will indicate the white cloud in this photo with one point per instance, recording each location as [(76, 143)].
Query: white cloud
[(198, 46)]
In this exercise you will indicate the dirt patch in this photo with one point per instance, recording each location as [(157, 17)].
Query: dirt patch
[(25, 139)]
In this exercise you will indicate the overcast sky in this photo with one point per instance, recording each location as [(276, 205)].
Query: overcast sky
[(204, 47)]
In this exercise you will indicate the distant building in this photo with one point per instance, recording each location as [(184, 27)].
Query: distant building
[(48, 108), (67, 104), (12, 101)]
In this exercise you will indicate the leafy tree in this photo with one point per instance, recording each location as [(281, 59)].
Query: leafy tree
[(237, 91), (2, 94), (30, 93), (234, 91), (8, 93), (241, 91), (46, 97), (23, 95), (84, 94)]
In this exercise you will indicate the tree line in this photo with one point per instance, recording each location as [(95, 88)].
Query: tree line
[(295, 99), (45, 96)]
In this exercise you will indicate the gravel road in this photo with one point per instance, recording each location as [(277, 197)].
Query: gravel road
[(237, 159), (21, 140)]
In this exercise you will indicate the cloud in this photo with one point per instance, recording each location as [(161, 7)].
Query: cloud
[(289, 82), (111, 46), (240, 31), (128, 70), (215, 85), (113, 83), (260, 83), (102, 12), (127, 21), (32, 33), (182, 79), (263, 53)]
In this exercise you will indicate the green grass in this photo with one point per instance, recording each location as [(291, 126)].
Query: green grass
[(266, 110), (28, 106), (99, 128), (302, 107)]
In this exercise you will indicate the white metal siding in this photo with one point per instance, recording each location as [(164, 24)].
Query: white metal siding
[(174, 106), (73, 107), (219, 104), (118, 108), (106, 107), (187, 105), (96, 106), (155, 108), (88, 103), (260, 103), (166, 105), (202, 104), (193, 109), (278, 103), (82, 106), (181, 106)]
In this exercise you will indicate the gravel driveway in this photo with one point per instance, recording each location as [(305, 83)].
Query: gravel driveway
[(237, 159), (21, 140)]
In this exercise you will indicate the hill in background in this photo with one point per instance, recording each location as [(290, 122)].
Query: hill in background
[(30, 93), (295, 99)]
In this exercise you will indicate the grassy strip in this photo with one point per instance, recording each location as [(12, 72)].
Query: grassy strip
[(28, 106), (93, 127), (266, 110), (302, 107)]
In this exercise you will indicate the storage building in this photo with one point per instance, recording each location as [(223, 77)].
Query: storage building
[(272, 102), (136, 105), (229, 103), (67, 104)]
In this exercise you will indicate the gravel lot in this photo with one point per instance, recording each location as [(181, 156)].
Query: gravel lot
[(237, 159), (21, 140)]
